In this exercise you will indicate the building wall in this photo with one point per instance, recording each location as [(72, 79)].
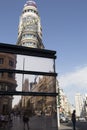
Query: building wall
[(43, 103), (7, 80), (79, 104)]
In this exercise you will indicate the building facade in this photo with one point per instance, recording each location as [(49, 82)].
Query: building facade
[(79, 105), (46, 104), (86, 106), (7, 81)]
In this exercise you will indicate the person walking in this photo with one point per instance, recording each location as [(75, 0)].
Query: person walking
[(26, 120), (74, 119)]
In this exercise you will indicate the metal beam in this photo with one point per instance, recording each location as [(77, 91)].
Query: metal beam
[(28, 72), (7, 93), (14, 49)]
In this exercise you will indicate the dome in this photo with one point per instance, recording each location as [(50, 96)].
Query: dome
[(30, 3)]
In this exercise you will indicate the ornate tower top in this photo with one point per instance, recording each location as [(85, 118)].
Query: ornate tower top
[(30, 3), (30, 30)]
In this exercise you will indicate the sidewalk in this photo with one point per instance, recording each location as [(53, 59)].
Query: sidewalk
[(37, 123), (64, 127)]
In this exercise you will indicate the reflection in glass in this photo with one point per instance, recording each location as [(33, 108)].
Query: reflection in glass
[(31, 63), (36, 106)]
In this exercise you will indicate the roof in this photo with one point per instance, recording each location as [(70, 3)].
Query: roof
[(30, 3)]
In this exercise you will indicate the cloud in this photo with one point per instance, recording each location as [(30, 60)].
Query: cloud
[(77, 78), (74, 82)]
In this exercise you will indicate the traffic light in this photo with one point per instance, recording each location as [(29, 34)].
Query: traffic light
[(59, 97)]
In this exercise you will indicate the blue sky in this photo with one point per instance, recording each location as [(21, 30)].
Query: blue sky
[(64, 24)]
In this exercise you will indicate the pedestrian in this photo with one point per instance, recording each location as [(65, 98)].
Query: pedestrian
[(10, 120), (2, 120), (26, 120), (74, 119)]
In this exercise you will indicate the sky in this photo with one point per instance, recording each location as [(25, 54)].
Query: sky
[(64, 28)]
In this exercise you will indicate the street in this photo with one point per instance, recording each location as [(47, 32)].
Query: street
[(79, 126), (43, 123), (35, 123)]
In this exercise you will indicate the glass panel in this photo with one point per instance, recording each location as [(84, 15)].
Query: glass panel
[(42, 109), (41, 112), (31, 63), (36, 83)]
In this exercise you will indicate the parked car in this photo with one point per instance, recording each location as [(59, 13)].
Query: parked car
[(63, 119), (82, 119)]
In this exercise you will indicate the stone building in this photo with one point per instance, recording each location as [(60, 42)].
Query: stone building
[(7, 81), (44, 103)]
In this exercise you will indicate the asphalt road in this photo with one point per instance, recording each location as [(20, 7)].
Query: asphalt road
[(80, 125), (35, 123), (41, 123)]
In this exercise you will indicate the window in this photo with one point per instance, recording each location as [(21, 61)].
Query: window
[(1, 60), (10, 75), (11, 63), (2, 87), (1, 74)]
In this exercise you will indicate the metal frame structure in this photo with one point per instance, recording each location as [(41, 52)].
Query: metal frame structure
[(14, 49)]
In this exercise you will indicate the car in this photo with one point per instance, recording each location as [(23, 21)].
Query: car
[(82, 119), (63, 119)]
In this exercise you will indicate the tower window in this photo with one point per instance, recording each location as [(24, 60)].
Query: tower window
[(30, 10), (29, 44), (1, 60), (24, 11)]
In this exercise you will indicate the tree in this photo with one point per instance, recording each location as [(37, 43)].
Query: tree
[(59, 97)]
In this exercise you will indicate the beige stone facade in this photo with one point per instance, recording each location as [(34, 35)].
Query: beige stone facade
[(43, 103)]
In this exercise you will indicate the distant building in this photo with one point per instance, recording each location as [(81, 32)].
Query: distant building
[(65, 106), (79, 102), (25, 88), (85, 106)]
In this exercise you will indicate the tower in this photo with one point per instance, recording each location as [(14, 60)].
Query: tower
[(29, 29), (30, 35)]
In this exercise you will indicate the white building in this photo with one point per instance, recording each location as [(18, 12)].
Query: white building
[(85, 106), (79, 105), (64, 106)]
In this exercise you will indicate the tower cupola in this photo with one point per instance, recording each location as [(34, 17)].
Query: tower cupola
[(30, 30), (30, 3)]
